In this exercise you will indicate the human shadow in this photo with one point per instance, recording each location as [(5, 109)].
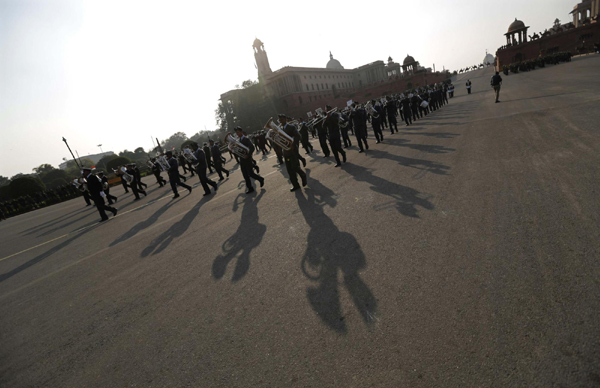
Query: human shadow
[(543, 96), (143, 224), (59, 227), (429, 148), (439, 135), (45, 255), (420, 164), (161, 242), (248, 236), (49, 223), (328, 252), (406, 200)]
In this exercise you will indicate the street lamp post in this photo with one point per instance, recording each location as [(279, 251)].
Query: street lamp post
[(100, 145), (65, 140)]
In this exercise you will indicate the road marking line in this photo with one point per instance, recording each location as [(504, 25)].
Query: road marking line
[(118, 215)]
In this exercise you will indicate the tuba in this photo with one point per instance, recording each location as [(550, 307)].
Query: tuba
[(237, 148), (189, 156), (128, 177), (278, 136)]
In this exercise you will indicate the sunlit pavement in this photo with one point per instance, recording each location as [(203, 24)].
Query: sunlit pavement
[(462, 251)]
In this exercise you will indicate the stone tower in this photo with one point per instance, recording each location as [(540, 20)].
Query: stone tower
[(262, 61)]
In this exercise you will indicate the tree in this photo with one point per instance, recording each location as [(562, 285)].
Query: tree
[(116, 162), (74, 171), (175, 141), (25, 185), (51, 176), (246, 84), (4, 180), (140, 150), (104, 160), (43, 168)]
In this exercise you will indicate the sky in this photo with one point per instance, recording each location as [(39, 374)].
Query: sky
[(117, 73)]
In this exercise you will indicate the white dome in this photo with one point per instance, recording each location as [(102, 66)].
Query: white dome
[(489, 58), (333, 63)]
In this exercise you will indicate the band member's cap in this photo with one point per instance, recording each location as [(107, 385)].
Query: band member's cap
[(86, 169), (328, 107), (238, 128), (282, 115)]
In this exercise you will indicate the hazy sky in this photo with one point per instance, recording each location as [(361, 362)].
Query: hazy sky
[(117, 72)]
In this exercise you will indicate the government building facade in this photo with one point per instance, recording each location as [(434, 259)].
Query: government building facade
[(298, 90)]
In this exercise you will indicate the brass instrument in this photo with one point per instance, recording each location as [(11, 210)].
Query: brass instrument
[(162, 162), (189, 156), (236, 147), (278, 136), (128, 177), (371, 110), (320, 117)]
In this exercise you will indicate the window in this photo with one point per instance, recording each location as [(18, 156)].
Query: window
[(322, 86), (318, 86), (312, 86)]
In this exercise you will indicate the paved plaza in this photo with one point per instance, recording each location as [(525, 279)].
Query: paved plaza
[(461, 252)]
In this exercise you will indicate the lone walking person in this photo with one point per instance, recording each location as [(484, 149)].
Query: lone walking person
[(496, 82), (468, 86)]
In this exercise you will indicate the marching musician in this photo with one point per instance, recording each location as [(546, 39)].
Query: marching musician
[(300, 158), (391, 111), (94, 186), (201, 166), (304, 136), (174, 175), (138, 177), (246, 164), (406, 110), (134, 184), (106, 187), (344, 127), (332, 124), (156, 170), (358, 116), (206, 150), (376, 117), (186, 168), (290, 156), (217, 160), (322, 133)]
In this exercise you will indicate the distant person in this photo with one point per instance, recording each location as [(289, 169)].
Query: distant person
[(496, 82), (174, 178), (468, 86)]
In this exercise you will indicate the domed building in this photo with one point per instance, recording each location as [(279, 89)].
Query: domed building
[(517, 33), (489, 59), (409, 64), (333, 63)]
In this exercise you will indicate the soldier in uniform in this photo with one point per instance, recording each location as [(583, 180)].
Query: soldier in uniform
[(106, 187), (246, 165), (358, 116), (391, 110), (201, 170), (174, 179), (292, 164), (304, 136), (322, 133), (97, 195), (332, 125), (156, 170), (217, 160)]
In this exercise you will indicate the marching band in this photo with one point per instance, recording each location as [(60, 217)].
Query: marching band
[(331, 126)]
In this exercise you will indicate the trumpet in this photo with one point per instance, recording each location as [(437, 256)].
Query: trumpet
[(371, 110), (237, 148), (278, 136), (320, 118)]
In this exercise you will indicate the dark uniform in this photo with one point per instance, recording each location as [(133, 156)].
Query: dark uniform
[(207, 153), (247, 166), (201, 170), (359, 121), (344, 127), (292, 163), (391, 111), (134, 184), (174, 176), (322, 133), (94, 186), (156, 170), (304, 137), (376, 119), (104, 181), (215, 152), (332, 124)]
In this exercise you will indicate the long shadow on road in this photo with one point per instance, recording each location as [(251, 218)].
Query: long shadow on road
[(161, 242), (329, 251), (420, 164), (44, 255), (406, 199), (429, 148), (248, 236)]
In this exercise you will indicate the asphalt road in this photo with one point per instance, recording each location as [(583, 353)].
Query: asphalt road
[(461, 252)]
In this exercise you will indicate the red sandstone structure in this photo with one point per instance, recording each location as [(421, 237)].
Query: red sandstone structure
[(576, 37), (298, 90)]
